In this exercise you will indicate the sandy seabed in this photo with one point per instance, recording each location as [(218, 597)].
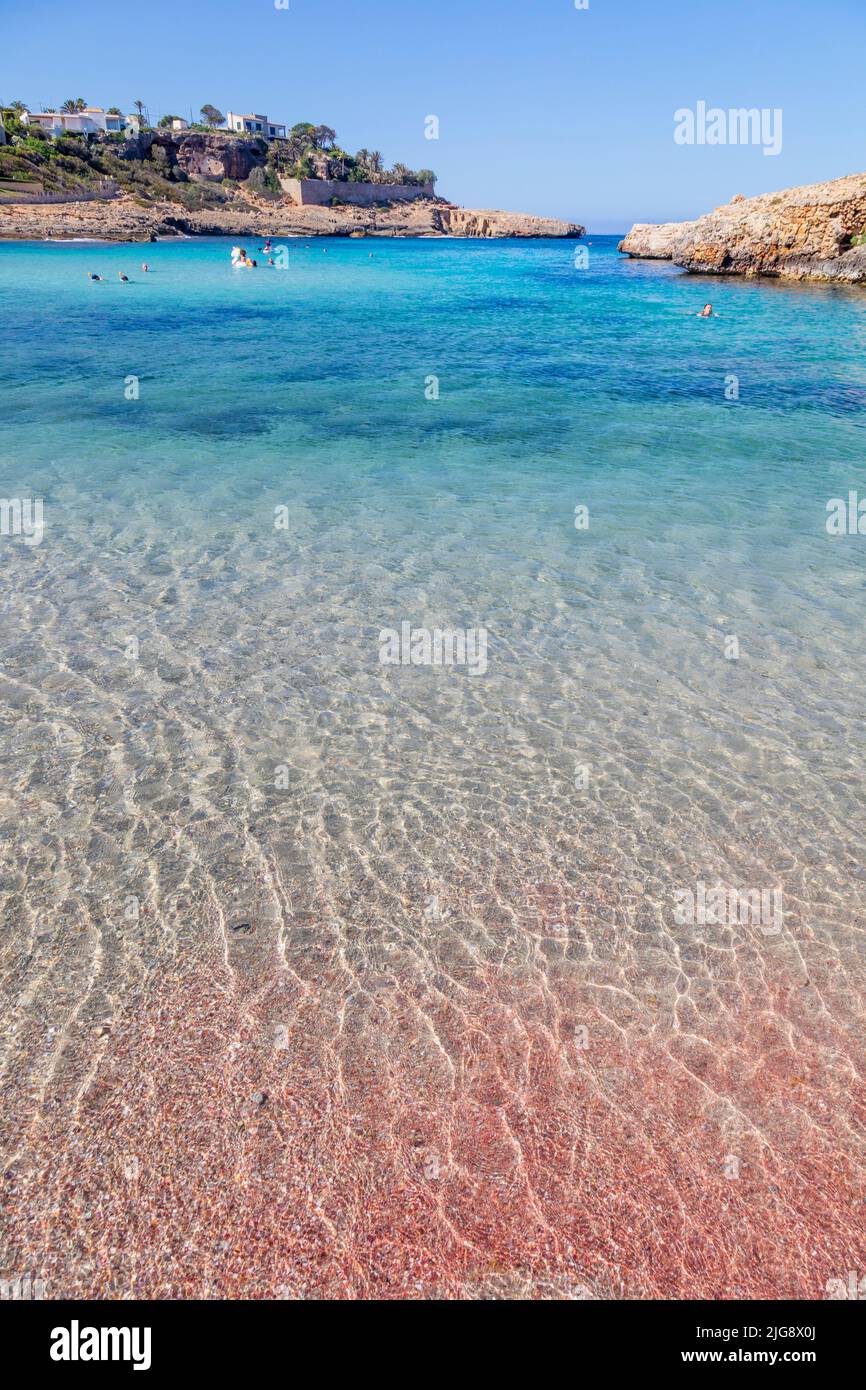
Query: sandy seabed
[(267, 1123), (323, 978)]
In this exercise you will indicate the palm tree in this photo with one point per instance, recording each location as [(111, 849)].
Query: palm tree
[(80, 104), (376, 162), (69, 106), (18, 107), (139, 106), (324, 137), (299, 142), (340, 157)]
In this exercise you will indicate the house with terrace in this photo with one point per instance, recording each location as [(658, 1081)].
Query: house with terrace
[(90, 121), (252, 124)]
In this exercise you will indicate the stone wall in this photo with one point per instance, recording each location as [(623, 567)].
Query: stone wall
[(319, 192), (33, 193), (20, 185)]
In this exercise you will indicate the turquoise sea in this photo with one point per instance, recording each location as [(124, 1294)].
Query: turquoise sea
[(246, 477)]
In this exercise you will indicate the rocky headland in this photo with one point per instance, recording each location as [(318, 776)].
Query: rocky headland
[(165, 184), (124, 219), (812, 232)]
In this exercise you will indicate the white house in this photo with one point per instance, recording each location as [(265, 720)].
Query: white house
[(92, 121), (178, 123), (252, 124)]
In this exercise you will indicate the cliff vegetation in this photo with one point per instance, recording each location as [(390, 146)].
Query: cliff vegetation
[(198, 169)]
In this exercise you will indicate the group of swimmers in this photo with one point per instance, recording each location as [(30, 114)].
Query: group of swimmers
[(240, 257), (120, 275)]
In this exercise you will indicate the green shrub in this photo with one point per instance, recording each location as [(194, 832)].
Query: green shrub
[(12, 125), (263, 180), (196, 197)]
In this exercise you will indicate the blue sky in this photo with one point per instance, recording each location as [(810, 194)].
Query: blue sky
[(542, 107)]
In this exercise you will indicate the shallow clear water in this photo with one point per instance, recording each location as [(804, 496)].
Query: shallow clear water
[(420, 874)]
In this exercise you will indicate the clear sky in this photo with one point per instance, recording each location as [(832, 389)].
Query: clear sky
[(542, 107)]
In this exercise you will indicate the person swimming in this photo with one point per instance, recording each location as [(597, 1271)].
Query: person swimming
[(707, 312), (91, 276), (145, 267), (124, 278)]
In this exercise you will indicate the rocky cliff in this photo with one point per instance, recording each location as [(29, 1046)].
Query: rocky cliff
[(125, 219), (801, 233), (454, 221), (197, 155), (199, 183)]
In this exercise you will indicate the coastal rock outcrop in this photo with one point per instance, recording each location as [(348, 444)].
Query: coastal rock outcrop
[(122, 219), (811, 232), (125, 219), (454, 221)]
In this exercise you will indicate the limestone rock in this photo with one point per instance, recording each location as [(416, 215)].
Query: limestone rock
[(124, 219), (216, 157), (487, 223), (801, 233)]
